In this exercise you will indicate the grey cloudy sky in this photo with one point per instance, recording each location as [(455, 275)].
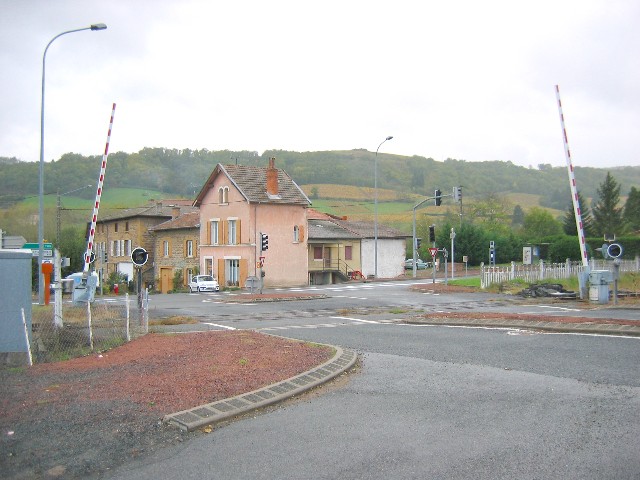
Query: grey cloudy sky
[(448, 79)]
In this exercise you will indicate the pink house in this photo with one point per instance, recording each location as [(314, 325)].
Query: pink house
[(237, 205)]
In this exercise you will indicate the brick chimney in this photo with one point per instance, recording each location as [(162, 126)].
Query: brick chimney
[(272, 177), (175, 211)]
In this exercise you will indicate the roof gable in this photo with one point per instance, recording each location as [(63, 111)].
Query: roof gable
[(251, 182)]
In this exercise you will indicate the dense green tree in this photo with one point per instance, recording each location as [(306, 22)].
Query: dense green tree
[(539, 223), (607, 215), (569, 220), (517, 219), (492, 212), (632, 209)]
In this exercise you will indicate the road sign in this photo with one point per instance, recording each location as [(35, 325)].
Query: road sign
[(47, 249), (32, 246), (433, 251)]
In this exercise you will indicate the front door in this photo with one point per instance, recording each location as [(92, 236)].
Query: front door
[(165, 279)]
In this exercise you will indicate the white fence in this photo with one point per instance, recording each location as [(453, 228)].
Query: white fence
[(546, 271)]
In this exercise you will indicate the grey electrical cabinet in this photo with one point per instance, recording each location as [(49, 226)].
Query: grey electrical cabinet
[(15, 296)]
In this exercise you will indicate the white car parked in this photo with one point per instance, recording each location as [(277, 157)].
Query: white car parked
[(203, 283)]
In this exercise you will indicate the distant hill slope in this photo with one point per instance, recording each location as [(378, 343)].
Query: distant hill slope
[(183, 172)]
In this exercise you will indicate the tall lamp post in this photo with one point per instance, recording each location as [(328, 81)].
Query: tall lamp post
[(375, 209), (41, 286)]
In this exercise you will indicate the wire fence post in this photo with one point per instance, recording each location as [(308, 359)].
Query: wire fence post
[(26, 337), (126, 302), (90, 327)]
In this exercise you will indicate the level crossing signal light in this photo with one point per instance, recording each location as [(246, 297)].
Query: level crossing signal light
[(438, 198), (613, 250), (264, 242), (432, 233), (457, 194), (139, 256)]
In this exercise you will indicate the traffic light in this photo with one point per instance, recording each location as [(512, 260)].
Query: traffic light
[(432, 233), (614, 250), (264, 242), (418, 243), (139, 256), (457, 194), (438, 198), (105, 258)]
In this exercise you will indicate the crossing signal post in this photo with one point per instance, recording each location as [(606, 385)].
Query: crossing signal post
[(457, 194), (438, 198), (432, 234)]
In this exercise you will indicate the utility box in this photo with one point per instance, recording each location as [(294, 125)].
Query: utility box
[(599, 281), (15, 295)]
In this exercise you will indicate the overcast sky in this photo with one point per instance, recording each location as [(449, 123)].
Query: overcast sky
[(471, 80)]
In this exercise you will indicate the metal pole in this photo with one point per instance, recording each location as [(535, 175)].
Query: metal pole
[(415, 270), (375, 210), (453, 236), (41, 286)]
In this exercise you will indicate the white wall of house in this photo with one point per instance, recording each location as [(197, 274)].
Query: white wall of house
[(391, 256)]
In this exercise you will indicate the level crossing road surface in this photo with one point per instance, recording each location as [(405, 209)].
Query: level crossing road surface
[(431, 402)]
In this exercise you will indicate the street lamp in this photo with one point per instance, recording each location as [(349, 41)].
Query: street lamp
[(58, 206), (41, 286), (375, 209)]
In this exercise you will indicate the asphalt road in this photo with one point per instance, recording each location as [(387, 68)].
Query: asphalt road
[(429, 402)]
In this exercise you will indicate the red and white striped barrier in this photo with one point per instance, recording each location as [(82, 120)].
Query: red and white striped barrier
[(572, 181), (96, 205)]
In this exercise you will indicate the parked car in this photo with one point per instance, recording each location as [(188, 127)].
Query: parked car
[(420, 265), (203, 283)]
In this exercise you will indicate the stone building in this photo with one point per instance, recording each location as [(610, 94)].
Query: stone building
[(119, 233), (176, 250)]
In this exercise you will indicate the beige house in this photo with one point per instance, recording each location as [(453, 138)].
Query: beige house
[(341, 250), (118, 234), (237, 205), (176, 250)]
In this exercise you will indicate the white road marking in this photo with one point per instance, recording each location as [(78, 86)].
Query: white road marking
[(218, 325)]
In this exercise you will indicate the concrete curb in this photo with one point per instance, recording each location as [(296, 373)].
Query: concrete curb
[(564, 327), (221, 410)]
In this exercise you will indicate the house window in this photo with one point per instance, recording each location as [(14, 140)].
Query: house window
[(115, 227), (208, 266), (127, 244), (232, 272), (317, 253), (188, 273), (189, 248), (232, 232), (126, 226), (296, 234), (165, 248), (348, 252), (214, 232), (113, 249), (223, 195)]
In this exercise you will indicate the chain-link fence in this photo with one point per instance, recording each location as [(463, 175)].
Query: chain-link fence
[(63, 330)]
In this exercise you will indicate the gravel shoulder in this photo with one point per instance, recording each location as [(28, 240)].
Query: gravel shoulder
[(79, 418)]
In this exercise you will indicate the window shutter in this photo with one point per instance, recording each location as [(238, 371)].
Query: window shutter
[(301, 233), (238, 236), (208, 233), (244, 270), (221, 279)]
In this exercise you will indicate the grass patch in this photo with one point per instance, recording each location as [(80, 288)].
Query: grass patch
[(175, 320), (397, 311), (466, 282)]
